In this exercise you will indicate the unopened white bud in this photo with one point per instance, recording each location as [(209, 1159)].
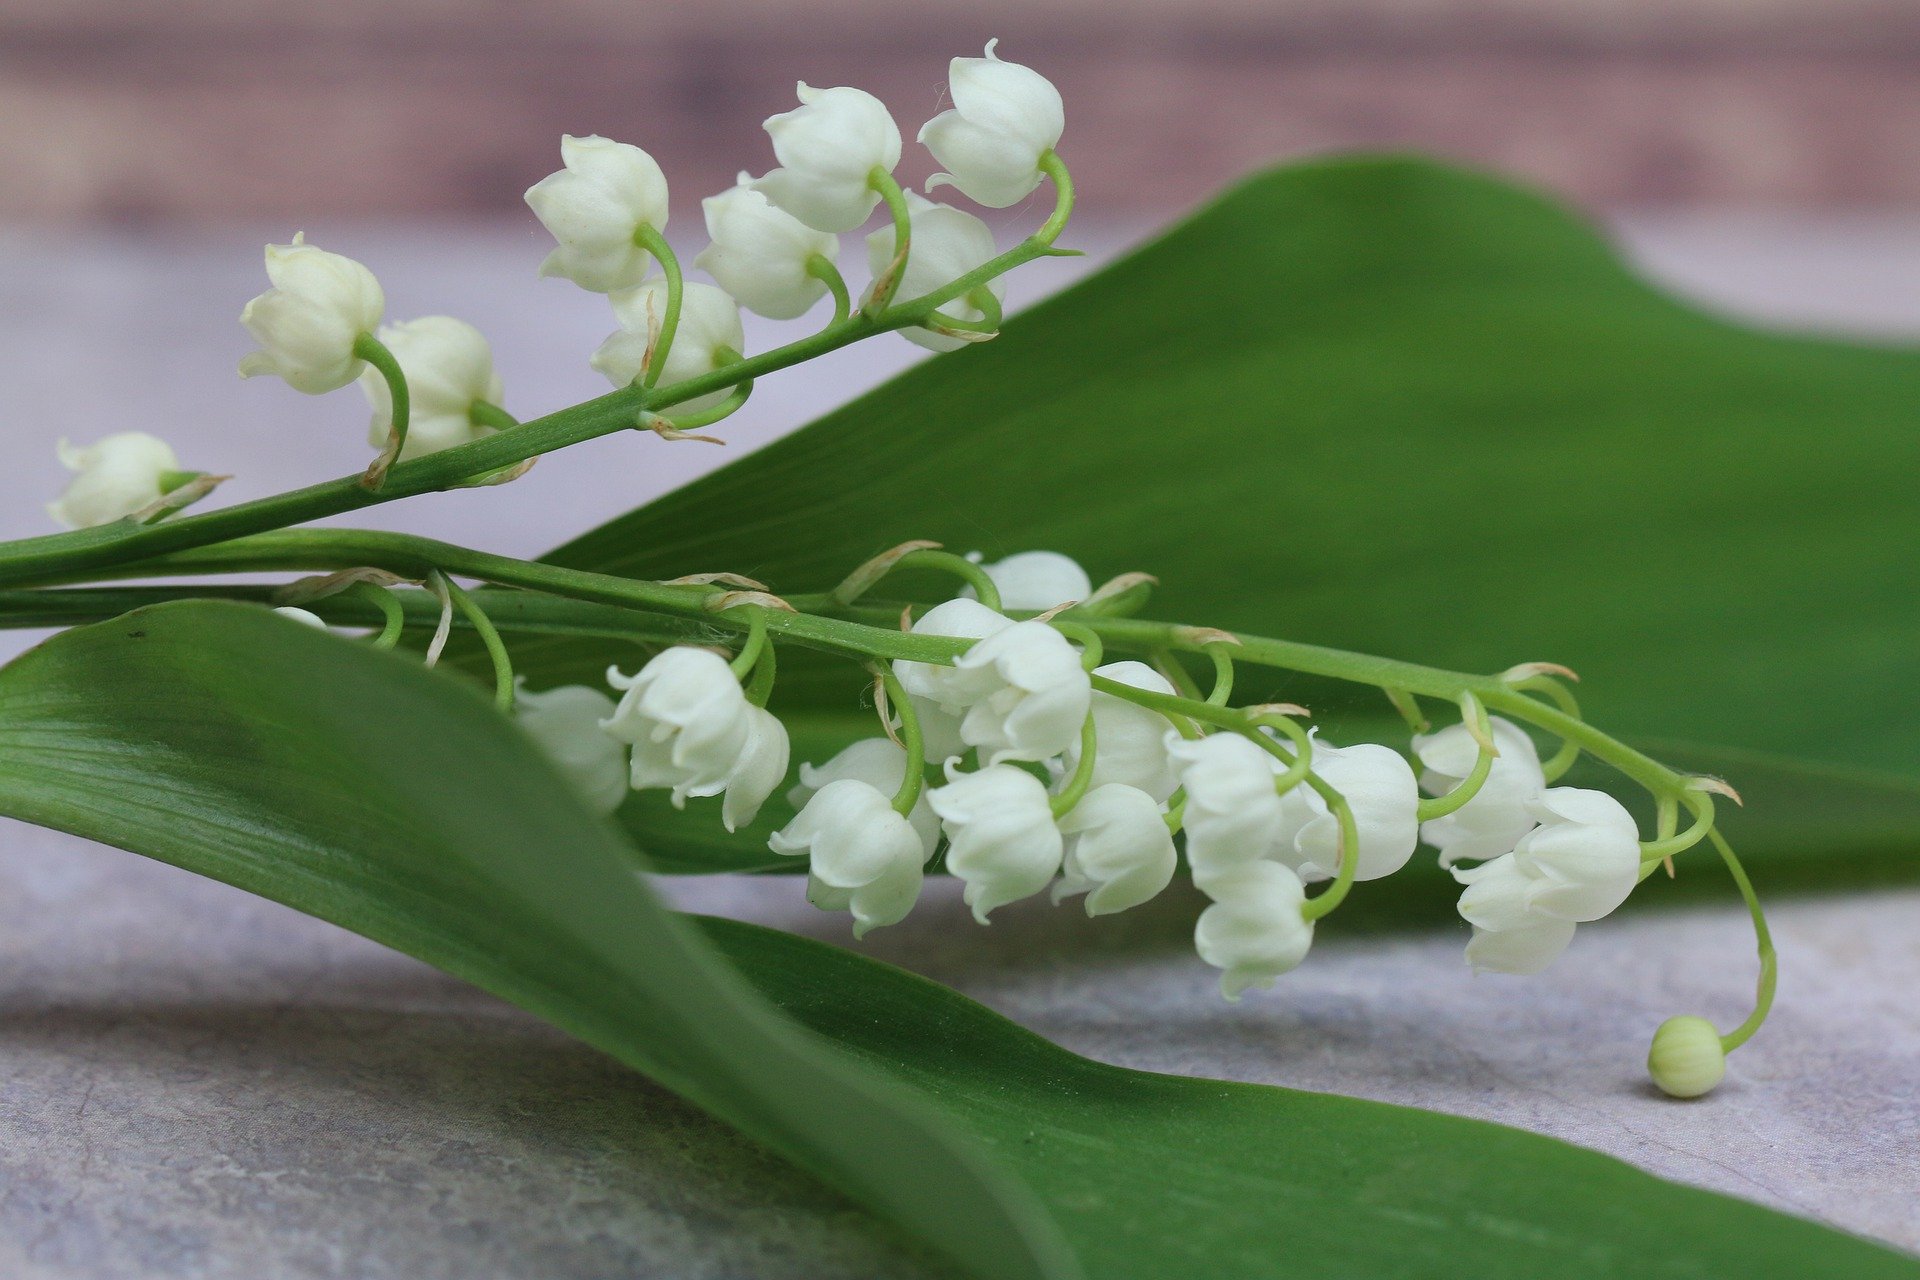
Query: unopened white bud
[(1034, 581)]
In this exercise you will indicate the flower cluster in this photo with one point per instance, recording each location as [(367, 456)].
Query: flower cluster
[(773, 249), (1045, 769)]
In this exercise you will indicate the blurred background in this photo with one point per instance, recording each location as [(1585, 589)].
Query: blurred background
[(117, 111)]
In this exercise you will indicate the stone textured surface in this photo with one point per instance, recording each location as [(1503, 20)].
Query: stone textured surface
[(196, 1083)]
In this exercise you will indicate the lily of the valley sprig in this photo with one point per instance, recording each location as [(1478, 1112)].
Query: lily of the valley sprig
[(1032, 735)]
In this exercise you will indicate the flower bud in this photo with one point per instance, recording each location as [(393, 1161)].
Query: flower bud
[(1254, 931), (687, 720), (1379, 788), (1004, 844), (1119, 851), (1005, 117), (863, 856), (113, 478), (1585, 854), (1687, 1058), (951, 688), (709, 328), (1131, 741), (1034, 581), (565, 724), (947, 243), (882, 765), (762, 254), (308, 618), (1034, 693), (828, 147), (1500, 812), (308, 322), (607, 191), (1233, 814), (448, 365)]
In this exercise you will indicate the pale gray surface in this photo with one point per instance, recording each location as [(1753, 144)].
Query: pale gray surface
[(196, 1083)]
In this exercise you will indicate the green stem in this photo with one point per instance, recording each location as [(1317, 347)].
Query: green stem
[(35, 559), (483, 414), (1763, 943), (1563, 759), (374, 352), (1222, 674), (1076, 788), (888, 284), (710, 415), (1056, 170), (1336, 893), (822, 268), (1092, 651), (760, 687), (910, 738), (946, 562), (490, 637), (649, 238), (1457, 799), (1667, 846), (390, 609), (756, 643)]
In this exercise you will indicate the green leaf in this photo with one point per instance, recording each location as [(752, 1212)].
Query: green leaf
[(1155, 1176), (357, 787), (1390, 406)]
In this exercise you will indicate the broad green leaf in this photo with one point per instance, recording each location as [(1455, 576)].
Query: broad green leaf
[(1391, 406), (356, 787), (1156, 1176)]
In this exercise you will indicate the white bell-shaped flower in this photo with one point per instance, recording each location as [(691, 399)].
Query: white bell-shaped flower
[(1037, 694), (1584, 855), (687, 720), (1233, 814), (882, 765), (1509, 934), (1500, 812), (828, 147), (565, 724), (947, 243), (1003, 843), (709, 328), (308, 322), (761, 254), (607, 191), (863, 856), (112, 478), (940, 739), (1130, 741), (949, 687), (1378, 785), (448, 366), (1034, 581), (760, 768), (1005, 117), (1119, 850), (1254, 931)]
